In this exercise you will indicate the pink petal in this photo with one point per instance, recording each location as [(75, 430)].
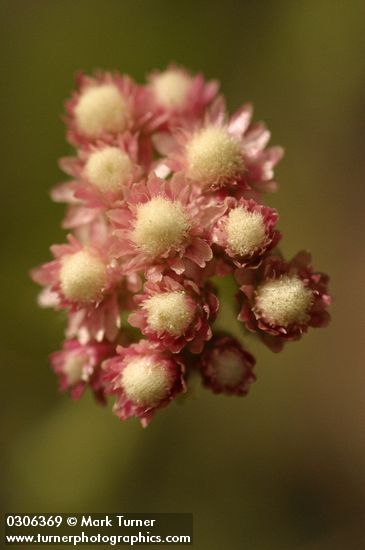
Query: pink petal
[(240, 121), (199, 252)]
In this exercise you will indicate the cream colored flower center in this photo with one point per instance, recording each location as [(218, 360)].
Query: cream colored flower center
[(213, 156), (72, 369), (160, 224), (83, 277), (108, 169), (170, 312), (245, 231), (101, 109), (146, 383), (284, 301), (229, 368), (171, 88)]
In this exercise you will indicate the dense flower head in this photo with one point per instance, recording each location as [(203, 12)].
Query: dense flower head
[(165, 197)]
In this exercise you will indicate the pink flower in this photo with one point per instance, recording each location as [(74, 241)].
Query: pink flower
[(175, 313), (86, 282), (178, 97), (78, 366), (162, 223), (101, 172), (143, 380), (104, 106), (282, 299), (227, 367), (229, 154), (246, 231)]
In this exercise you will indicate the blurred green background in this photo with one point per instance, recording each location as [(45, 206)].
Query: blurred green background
[(283, 468)]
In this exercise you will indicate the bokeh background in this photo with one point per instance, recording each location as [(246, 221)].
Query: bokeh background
[(283, 468)]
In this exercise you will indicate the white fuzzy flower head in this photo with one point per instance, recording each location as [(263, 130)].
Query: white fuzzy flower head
[(108, 169), (171, 88), (160, 224), (73, 368), (245, 231), (83, 277), (213, 156), (146, 383), (284, 301), (229, 368), (101, 109), (170, 312)]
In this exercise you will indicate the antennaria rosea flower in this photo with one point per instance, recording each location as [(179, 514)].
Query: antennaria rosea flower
[(166, 194)]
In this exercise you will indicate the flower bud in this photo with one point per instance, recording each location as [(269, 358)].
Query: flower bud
[(227, 367)]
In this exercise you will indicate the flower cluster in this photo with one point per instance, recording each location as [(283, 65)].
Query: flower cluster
[(165, 194)]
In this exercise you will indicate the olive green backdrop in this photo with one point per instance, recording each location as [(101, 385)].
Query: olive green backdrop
[(283, 468)]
